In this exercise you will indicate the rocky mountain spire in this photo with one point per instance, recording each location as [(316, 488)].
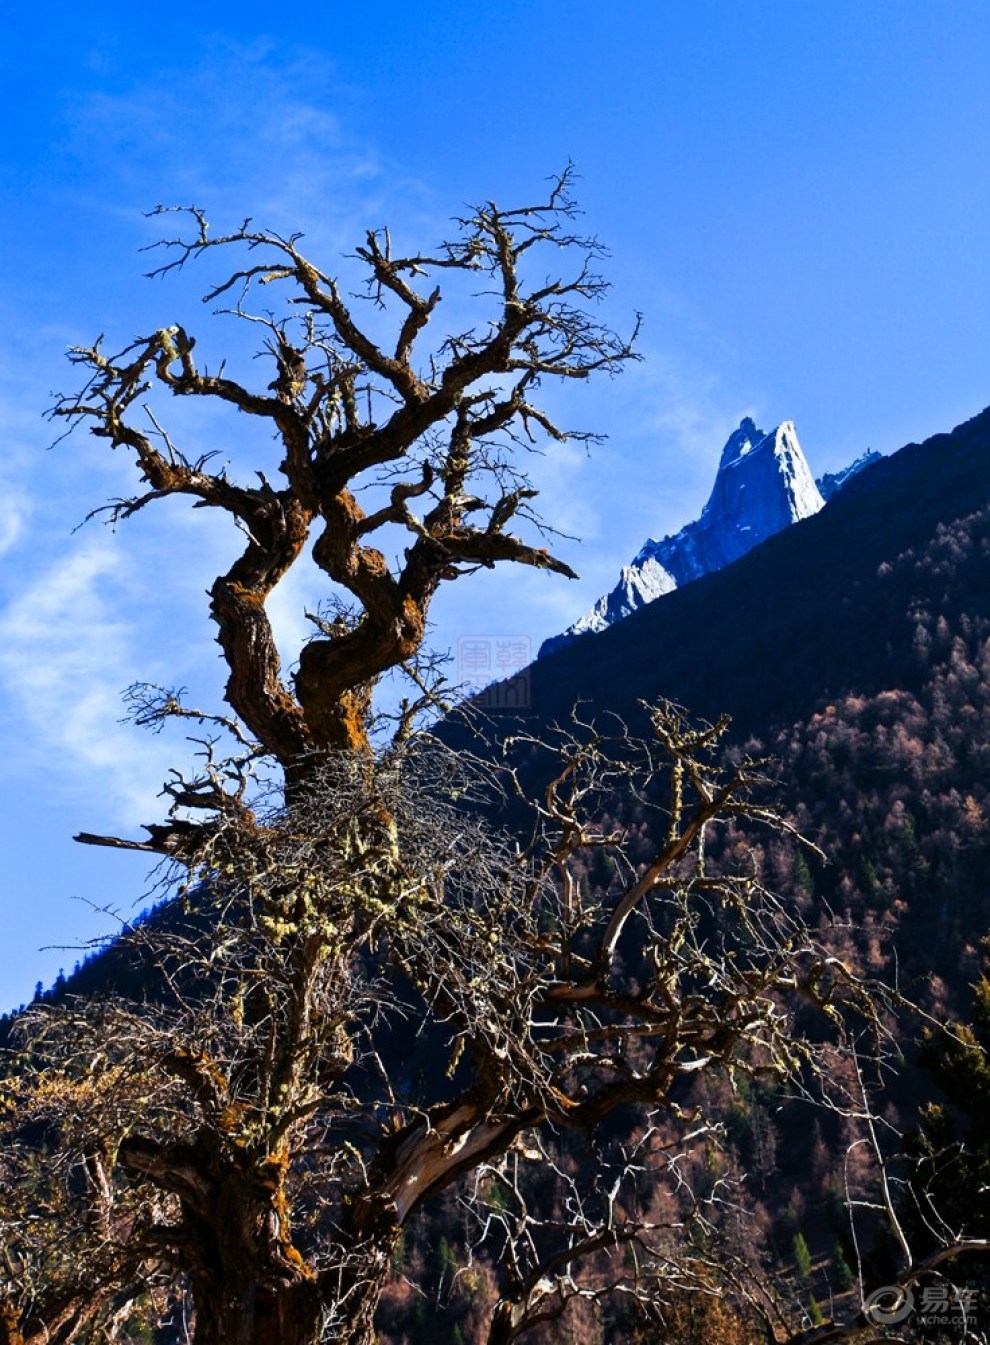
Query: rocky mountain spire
[(763, 484)]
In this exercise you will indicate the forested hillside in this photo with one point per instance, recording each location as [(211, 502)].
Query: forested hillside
[(853, 652)]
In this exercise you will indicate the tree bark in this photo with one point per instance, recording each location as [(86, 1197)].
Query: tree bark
[(10, 1331), (249, 1284)]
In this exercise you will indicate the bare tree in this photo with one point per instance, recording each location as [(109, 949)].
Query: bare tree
[(441, 426), (245, 1144)]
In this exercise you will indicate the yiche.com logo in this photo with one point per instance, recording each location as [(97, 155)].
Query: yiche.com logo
[(888, 1305)]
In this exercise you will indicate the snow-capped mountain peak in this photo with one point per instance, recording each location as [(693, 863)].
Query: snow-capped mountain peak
[(763, 485)]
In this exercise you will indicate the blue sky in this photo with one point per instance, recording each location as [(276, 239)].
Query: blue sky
[(797, 197)]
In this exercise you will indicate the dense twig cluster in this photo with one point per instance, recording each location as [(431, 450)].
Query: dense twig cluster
[(258, 1123)]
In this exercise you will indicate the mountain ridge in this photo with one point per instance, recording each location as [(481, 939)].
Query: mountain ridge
[(729, 643)]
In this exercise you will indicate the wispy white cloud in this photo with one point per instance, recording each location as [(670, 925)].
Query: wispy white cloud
[(65, 646), (302, 590), (15, 510), (259, 127)]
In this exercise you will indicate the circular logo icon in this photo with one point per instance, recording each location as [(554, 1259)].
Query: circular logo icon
[(888, 1305)]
